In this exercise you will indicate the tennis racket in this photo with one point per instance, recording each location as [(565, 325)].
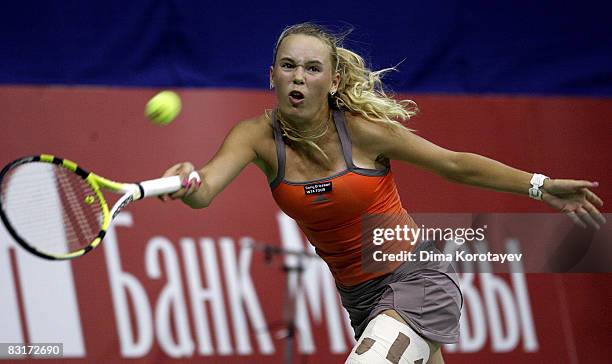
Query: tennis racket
[(56, 210)]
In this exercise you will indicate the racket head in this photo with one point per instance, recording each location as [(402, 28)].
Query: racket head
[(52, 207)]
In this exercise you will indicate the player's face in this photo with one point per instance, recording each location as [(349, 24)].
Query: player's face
[(303, 76)]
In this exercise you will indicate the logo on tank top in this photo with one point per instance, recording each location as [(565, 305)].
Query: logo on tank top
[(317, 188), (320, 199)]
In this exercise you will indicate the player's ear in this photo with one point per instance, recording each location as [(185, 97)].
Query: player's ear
[(271, 77), (335, 82)]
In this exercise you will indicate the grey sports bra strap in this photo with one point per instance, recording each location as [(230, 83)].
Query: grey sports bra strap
[(280, 152), (347, 148)]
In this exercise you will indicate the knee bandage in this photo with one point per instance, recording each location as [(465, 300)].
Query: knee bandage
[(386, 340)]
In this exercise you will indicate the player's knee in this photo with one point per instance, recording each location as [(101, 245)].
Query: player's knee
[(386, 340)]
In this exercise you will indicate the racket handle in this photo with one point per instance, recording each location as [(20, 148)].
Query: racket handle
[(160, 186)]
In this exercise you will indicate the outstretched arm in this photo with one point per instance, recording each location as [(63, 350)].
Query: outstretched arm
[(570, 196), (236, 152)]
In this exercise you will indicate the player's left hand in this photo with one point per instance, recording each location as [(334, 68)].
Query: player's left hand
[(575, 199)]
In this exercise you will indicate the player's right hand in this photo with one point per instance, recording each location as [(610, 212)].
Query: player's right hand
[(189, 186)]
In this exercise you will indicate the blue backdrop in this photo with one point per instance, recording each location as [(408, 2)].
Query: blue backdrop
[(534, 47)]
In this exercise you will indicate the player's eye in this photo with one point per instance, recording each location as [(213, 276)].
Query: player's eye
[(286, 65), (314, 69)]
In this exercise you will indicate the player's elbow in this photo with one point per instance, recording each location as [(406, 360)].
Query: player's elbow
[(458, 168)]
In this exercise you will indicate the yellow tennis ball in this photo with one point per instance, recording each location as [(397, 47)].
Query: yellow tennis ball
[(163, 107)]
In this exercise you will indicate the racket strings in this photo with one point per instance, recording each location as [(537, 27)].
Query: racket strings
[(77, 219), (50, 208)]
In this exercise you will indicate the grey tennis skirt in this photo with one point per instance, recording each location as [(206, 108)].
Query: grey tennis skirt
[(427, 297)]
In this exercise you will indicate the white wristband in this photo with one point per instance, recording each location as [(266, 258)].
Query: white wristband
[(537, 181)]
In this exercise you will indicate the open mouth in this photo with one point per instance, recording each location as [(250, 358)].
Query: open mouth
[(296, 96)]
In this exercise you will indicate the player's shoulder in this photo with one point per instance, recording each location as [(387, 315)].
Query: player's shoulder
[(258, 124), (255, 127), (365, 132)]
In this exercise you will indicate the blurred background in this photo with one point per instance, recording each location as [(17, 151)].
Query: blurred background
[(526, 83)]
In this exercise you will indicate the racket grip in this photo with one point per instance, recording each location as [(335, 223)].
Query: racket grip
[(160, 186)]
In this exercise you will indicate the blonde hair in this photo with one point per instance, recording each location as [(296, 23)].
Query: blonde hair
[(360, 90)]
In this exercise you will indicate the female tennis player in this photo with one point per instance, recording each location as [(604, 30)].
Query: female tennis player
[(325, 150)]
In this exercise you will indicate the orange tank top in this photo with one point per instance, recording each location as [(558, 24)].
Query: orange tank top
[(333, 212)]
